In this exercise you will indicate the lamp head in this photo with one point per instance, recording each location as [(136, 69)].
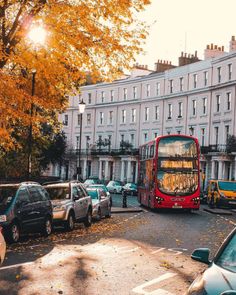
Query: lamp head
[(82, 106)]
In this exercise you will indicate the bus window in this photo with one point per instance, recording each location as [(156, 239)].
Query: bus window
[(147, 147), (152, 151)]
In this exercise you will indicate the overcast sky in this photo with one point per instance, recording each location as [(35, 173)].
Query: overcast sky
[(186, 25)]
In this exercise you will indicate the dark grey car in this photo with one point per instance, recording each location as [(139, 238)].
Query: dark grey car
[(24, 207)]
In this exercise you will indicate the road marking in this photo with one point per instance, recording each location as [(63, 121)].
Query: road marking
[(177, 251), (15, 265), (166, 276), (158, 250)]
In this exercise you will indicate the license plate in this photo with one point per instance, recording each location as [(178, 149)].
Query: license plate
[(177, 207)]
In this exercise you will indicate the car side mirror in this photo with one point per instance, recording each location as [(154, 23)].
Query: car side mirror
[(201, 255)]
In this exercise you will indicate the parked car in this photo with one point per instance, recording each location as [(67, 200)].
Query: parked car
[(130, 189), (92, 180), (104, 188), (114, 187), (220, 277), (101, 203), (24, 207), (2, 246), (71, 203)]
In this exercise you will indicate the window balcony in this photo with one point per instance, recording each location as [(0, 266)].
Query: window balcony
[(213, 148), (114, 152)]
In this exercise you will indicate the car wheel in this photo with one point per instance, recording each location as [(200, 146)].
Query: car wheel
[(99, 214), (70, 222), (108, 215), (47, 228), (88, 218), (14, 233)]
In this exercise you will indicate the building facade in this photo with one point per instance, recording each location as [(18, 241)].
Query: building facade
[(198, 97)]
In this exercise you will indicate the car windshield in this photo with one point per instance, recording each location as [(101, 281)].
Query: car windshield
[(7, 194), (93, 194), (227, 186), (89, 181), (58, 193), (227, 258), (131, 185)]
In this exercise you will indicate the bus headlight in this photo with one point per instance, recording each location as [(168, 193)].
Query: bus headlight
[(196, 200), (159, 200)]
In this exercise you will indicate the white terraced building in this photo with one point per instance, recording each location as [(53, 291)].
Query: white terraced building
[(196, 97)]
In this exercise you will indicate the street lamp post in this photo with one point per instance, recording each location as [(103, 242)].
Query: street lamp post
[(191, 129), (30, 140), (81, 111)]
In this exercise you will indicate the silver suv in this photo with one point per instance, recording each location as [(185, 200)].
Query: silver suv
[(71, 203)]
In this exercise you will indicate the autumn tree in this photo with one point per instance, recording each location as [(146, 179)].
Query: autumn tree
[(83, 36)]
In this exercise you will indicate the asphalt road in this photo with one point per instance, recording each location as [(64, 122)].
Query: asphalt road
[(134, 253)]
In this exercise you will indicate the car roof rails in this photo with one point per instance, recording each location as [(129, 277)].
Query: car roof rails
[(53, 182), (29, 182)]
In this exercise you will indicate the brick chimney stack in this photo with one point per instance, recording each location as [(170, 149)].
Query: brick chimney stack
[(185, 59), (163, 65), (232, 44), (212, 51)]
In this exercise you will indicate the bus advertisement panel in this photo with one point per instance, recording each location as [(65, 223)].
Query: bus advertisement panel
[(169, 174)]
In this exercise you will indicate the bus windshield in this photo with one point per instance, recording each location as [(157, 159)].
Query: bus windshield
[(177, 168)]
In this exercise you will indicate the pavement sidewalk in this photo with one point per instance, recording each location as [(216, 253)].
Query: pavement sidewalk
[(218, 211), (126, 210)]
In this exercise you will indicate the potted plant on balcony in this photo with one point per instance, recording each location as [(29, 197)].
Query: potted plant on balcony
[(125, 145), (231, 144)]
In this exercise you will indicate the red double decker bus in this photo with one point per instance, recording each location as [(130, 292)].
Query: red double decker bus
[(169, 173)]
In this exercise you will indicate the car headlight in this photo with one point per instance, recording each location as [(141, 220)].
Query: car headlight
[(3, 218), (59, 208), (222, 195)]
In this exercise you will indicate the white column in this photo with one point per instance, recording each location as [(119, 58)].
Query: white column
[(220, 172), (84, 169), (212, 169), (206, 174), (106, 170), (129, 178), (100, 169), (122, 171), (136, 172)]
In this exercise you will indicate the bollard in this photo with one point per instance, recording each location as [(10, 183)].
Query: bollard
[(124, 199)]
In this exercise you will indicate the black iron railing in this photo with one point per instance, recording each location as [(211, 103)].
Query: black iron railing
[(102, 151), (213, 148), (114, 152)]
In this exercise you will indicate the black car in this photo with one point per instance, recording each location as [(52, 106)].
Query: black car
[(24, 207), (130, 189)]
